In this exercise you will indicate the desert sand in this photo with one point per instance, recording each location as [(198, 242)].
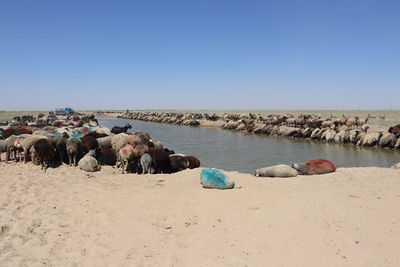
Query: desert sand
[(67, 217)]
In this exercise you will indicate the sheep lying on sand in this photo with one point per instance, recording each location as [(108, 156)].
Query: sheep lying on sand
[(281, 170), (89, 163)]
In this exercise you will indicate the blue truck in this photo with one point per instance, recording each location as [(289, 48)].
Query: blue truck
[(64, 111)]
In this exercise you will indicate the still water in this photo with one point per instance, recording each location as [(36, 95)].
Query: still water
[(230, 151)]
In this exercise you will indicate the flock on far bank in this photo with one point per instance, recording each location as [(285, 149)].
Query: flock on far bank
[(306, 126), (80, 141)]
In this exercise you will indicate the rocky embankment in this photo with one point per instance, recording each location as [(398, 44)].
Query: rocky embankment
[(334, 129)]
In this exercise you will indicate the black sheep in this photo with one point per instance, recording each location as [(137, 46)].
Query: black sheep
[(89, 143), (106, 156), (117, 129), (45, 152), (161, 160)]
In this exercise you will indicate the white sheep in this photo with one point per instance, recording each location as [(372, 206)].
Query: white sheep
[(89, 162)]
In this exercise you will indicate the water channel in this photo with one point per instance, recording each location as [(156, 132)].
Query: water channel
[(231, 151)]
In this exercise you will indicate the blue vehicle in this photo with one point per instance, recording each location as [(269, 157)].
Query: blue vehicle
[(64, 111)]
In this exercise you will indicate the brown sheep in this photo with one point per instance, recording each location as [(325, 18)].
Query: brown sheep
[(193, 162)]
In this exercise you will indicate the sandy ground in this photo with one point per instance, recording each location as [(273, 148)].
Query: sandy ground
[(9, 115), (66, 217)]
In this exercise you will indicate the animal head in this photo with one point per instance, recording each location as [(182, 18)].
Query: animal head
[(92, 153), (128, 126), (301, 168)]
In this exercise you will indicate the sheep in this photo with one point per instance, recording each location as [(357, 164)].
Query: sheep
[(328, 135), (145, 138), (371, 139), (10, 147), (281, 170), (17, 131), (387, 140), (158, 145), (178, 162), (117, 129), (353, 135), (18, 145), (3, 147), (103, 130), (315, 166), (342, 137), (365, 128), (138, 151), (89, 143), (50, 128), (33, 155), (326, 124), (168, 151), (314, 133), (216, 179), (61, 150), (54, 140), (193, 162), (120, 140), (93, 123), (125, 155), (117, 142), (44, 152), (28, 142), (397, 145), (96, 135), (41, 133), (89, 163), (104, 142), (73, 146), (106, 156), (145, 163), (63, 130), (161, 161), (360, 138), (395, 130), (319, 135)]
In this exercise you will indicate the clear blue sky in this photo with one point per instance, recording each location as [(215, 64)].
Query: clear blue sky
[(199, 54)]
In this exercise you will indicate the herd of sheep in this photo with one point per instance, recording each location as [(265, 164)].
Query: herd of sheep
[(337, 130), (80, 141)]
